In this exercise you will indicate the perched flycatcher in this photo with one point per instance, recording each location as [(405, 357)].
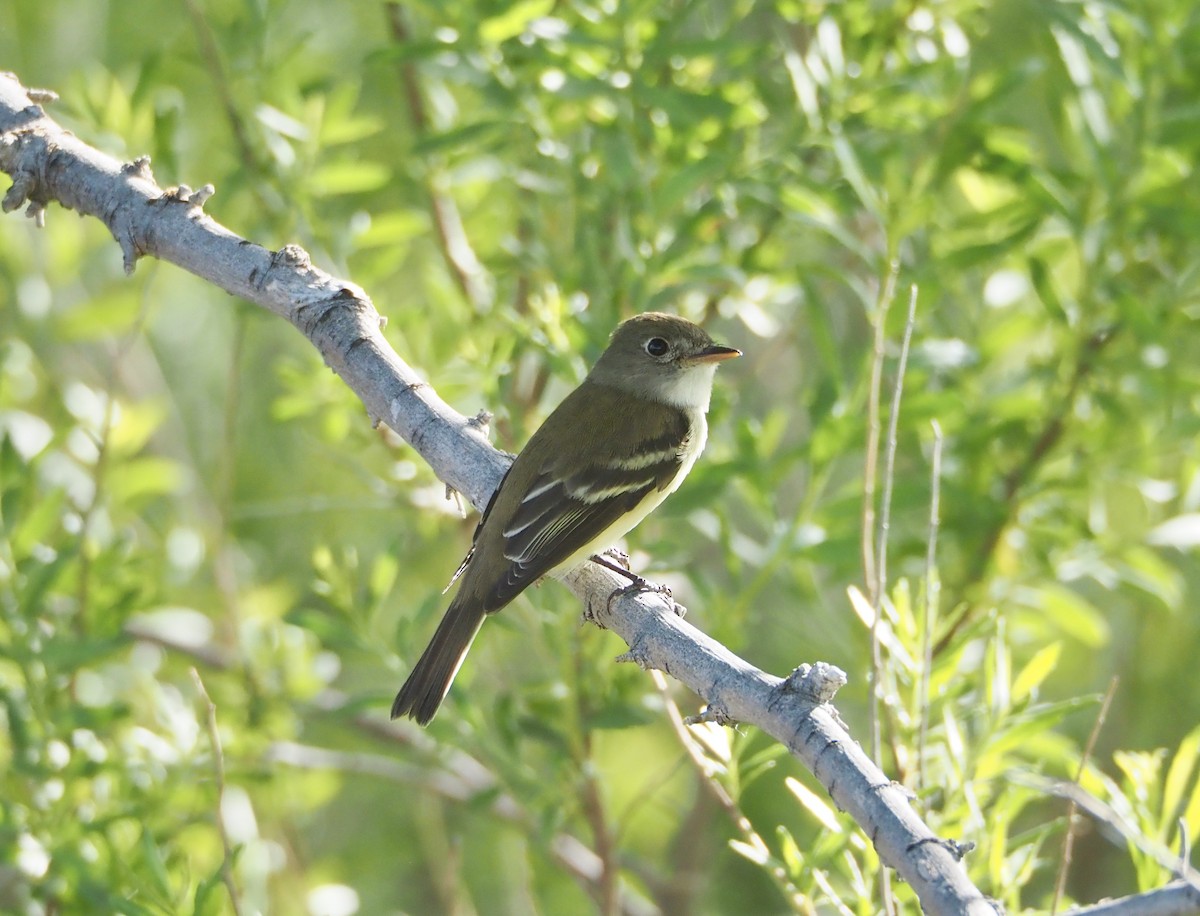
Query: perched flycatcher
[(613, 450)]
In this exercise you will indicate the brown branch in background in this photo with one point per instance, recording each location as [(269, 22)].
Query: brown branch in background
[(691, 746), (214, 738), (531, 396), (1016, 479), (441, 853), (212, 59), (688, 868), (1064, 865), (526, 236), (602, 838), (592, 801), (459, 778), (465, 268)]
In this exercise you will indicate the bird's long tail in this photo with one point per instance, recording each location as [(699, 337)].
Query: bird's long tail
[(434, 671)]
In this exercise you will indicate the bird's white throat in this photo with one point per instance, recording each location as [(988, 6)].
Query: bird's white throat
[(690, 389)]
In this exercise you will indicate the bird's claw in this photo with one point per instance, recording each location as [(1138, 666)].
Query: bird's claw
[(620, 557), (640, 585)]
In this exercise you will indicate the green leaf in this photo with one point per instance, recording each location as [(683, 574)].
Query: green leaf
[(102, 317), (1181, 776), (157, 867), (349, 177), (1069, 612), (144, 477), (513, 20), (1036, 670)]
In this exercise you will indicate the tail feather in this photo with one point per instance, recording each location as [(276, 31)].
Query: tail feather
[(434, 672)]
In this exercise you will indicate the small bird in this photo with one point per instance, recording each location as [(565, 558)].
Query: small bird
[(614, 449)]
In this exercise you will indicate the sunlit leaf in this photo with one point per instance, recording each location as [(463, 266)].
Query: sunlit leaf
[(1036, 670)]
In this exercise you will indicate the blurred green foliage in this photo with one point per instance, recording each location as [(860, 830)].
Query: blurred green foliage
[(184, 485)]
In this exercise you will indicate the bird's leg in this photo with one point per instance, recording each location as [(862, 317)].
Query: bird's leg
[(636, 582), (621, 568)]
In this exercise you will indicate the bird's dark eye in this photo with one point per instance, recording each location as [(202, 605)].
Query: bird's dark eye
[(656, 346)]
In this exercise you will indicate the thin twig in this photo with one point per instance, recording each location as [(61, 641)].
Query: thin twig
[(1064, 865), (214, 738), (932, 588), (889, 474), (880, 589), (887, 292)]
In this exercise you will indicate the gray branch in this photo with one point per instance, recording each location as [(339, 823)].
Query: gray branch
[(48, 164), (1179, 898)]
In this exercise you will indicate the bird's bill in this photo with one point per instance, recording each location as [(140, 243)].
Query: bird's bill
[(713, 354)]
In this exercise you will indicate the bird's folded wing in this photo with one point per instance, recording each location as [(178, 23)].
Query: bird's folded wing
[(560, 514)]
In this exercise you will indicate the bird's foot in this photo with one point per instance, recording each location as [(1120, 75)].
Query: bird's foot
[(620, 567), (640, 585), (636, 582), (620, 557)]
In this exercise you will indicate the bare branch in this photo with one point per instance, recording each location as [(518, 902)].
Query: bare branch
[(1179, 898), (47, 163)]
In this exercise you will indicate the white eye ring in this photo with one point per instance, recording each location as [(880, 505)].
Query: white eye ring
[(657, 347)]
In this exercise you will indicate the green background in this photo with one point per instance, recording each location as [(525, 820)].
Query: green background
[(176, 462)]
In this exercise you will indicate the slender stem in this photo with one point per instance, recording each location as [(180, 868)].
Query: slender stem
[(886, 293), (214, 738), (1064, 865), (932, 588), (878, 588)]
